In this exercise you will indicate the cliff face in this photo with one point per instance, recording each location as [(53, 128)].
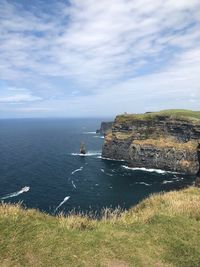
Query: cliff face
[(155, 140), (105, 128)]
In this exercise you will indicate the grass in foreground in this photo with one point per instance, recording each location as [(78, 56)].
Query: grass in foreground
[(163, 230)]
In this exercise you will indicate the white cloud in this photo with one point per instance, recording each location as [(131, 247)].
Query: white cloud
[(19, 98), (101, 47)]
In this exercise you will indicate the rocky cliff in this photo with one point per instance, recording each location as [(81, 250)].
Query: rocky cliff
[(163, 140), (106, 127)]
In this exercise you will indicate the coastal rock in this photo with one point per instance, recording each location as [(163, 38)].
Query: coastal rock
[(155, 140), (105, 128), (197, 182)]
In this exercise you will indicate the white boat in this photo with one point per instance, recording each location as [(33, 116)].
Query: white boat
[(25, 189)]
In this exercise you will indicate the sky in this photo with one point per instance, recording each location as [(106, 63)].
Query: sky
[(88, 58)]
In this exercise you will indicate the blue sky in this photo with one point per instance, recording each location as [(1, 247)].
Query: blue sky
[(98, 58)]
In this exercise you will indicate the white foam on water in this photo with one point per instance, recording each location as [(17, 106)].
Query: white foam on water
[(146, 169), (15, 194), (109, 174), (98, 136), (73, 184), (100, 157), (143, 183), (61, 203), (77, 170), (88, 154)]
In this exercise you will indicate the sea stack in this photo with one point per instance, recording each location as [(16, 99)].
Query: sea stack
[(82, 149)]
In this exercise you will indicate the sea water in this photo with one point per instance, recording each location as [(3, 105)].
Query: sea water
[(43, 154)]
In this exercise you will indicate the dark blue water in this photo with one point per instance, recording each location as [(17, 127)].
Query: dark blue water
[(43, 154)]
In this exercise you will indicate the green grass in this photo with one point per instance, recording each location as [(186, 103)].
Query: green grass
[(193, 116), (163, 230)]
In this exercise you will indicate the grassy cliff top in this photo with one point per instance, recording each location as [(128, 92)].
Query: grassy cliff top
[(162, 230), (193, 116)]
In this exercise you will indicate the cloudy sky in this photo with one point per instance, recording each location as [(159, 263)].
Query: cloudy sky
[(87, 58)]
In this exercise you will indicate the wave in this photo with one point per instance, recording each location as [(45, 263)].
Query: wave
[(146, 169), (77, 170), (88, 154), (61, 203), (15, 194)]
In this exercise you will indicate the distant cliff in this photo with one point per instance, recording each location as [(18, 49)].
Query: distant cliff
[(163, 140), (105, 128)]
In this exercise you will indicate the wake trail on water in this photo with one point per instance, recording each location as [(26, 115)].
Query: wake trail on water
[(109, 174), (15, 194), (73, 184), (77, 170), (61, 203), (146, 169), (143, 183)]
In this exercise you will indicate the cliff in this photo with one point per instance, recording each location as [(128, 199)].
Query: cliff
[(106, 127), (163, 140)]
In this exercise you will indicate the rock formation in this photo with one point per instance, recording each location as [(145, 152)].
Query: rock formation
[(105, 128), (197, 183), (163, 140)]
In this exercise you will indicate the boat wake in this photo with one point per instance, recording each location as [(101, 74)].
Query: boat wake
[(61, 203), (15, 194), (109, 174), (167, 182), (146, 169), (73, 184), (143, 183), (77, 170)]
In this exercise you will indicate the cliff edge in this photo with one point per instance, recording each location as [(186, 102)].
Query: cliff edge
[(164, 140)]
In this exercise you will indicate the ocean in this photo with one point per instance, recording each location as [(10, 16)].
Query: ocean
[(42, 155)]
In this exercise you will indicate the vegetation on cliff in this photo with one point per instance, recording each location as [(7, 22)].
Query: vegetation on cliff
[(189, 115), (163, 230)]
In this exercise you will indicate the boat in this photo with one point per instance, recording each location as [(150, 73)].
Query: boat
[(82, 149), (25, 189)]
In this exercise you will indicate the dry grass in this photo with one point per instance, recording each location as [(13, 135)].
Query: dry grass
[(168, 143), (163, 230)]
